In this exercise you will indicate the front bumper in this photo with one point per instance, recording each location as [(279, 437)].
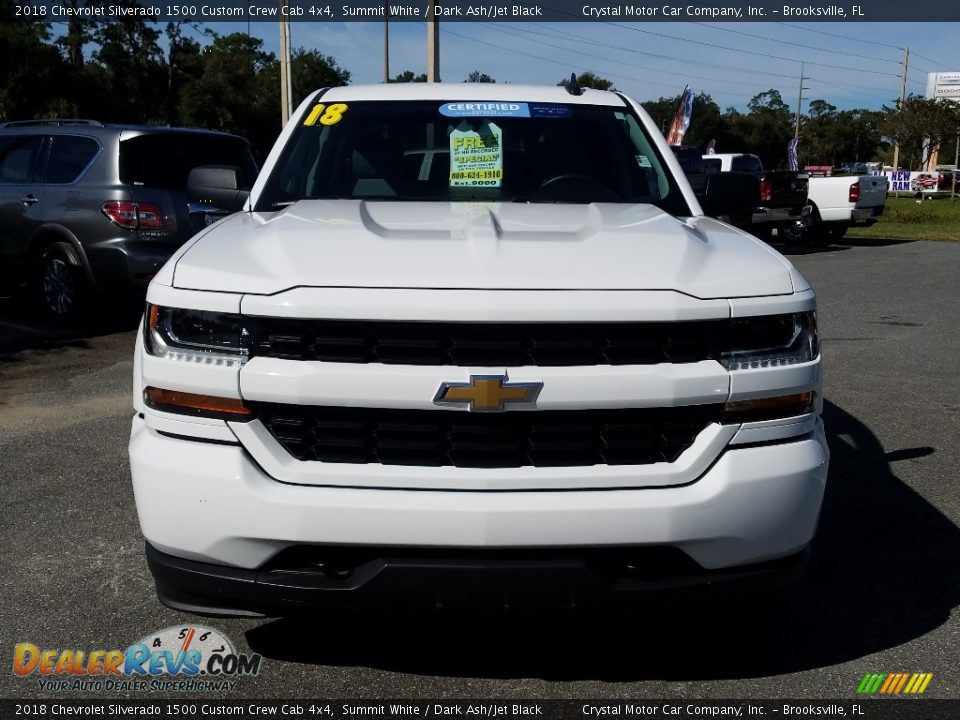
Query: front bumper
[(392, 578), (210, 503)]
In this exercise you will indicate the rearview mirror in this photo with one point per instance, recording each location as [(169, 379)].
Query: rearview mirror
[(729, 193), (219, 185)]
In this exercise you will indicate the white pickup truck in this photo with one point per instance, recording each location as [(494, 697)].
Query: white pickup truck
[(473, 345), (835, 204)]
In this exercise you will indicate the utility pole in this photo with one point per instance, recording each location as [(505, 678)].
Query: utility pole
[(286, 89), (903, 95), (796, 127), (386, 41), (433, 43)]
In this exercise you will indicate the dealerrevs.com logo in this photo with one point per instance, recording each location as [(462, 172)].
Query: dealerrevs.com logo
[(181, 658)]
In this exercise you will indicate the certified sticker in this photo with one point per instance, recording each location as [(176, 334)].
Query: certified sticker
[(485, 109)]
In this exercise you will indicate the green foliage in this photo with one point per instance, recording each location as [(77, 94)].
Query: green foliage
[(32, 87), (408, 76), (917, 121), (590, 80), (906, 219), (223, 83), (706, 121), (827, 137), (478, 77)]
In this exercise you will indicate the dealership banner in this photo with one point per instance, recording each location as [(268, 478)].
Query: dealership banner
[(489, 10), (913, 181)]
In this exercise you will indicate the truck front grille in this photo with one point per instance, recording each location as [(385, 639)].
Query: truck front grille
[(489, 344), (426, 438)]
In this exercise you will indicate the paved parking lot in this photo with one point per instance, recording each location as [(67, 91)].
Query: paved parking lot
[(881, 595)]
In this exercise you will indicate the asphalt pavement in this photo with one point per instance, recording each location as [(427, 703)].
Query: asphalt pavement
[(881, 595)]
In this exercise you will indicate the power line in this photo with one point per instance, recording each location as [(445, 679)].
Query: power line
[(748, 52), (570, 36), (842, 37), (860, 40), (566, 64), (831, 83), (929, 60), (789, 42), (614, 60), (752, 71)]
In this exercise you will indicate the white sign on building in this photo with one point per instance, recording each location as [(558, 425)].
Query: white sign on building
[(943, 85)]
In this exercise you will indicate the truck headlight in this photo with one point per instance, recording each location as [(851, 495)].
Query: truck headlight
[(771, 341), (202, 336)]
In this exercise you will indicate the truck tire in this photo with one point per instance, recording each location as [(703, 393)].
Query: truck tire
[(762, 232), (816, 232), (796, 232), (61, 285)]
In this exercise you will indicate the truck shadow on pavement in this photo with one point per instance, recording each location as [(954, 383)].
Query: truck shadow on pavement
[(24, 327), (787, 248), (885, 570)]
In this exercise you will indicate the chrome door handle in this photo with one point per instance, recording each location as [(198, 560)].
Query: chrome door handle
[(30, 200)]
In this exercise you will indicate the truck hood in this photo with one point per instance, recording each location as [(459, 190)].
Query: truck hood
[(356, 243)]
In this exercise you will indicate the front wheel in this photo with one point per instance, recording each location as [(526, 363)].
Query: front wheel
[(62, 286)]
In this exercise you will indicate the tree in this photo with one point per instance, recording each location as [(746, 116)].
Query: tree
[(478, 77), (705, 120), (408, 76), (590, 80), (31, 70), (311, 70), (920, 126), (184, 65), (237, 91), (77, 36), (767, 128), (132, 72)]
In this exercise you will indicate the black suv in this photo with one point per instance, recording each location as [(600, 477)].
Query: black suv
[(86, 207)]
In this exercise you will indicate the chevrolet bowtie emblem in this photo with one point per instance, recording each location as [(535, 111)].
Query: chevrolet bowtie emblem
[(488, 393)]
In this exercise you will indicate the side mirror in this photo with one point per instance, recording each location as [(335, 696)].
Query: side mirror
[(729, 193), (219, 185)]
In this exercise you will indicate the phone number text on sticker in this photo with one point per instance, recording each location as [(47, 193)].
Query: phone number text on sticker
[(477, 175)]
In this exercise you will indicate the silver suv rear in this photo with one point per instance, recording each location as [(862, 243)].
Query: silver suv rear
[(87, 208)]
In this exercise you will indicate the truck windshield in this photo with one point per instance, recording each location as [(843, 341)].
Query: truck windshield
[(471, 151)]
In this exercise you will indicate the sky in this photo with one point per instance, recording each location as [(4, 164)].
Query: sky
[(850, 65)]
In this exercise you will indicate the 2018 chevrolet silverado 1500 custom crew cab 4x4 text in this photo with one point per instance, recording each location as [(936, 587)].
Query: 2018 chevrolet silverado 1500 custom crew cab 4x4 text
[(473, 344)]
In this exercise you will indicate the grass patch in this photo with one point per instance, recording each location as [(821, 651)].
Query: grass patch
[(905, 219)]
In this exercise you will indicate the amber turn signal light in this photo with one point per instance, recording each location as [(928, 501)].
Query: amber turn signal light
[(771, 408), (186, 403)]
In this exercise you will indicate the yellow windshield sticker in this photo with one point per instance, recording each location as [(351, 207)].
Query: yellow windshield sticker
[(333, 115), (476, 156)]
